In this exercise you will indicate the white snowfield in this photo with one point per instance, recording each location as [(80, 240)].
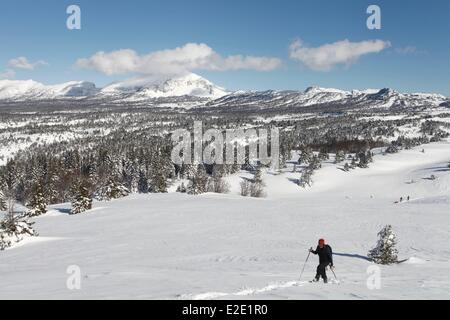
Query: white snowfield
[(213, 246)]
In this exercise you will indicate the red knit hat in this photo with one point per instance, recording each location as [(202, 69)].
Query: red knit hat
[(321, 241)]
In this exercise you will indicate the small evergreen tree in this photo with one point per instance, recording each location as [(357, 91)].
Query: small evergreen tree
[(158, 183), (143, 186), (385, 251), (113, 190), (305, 155), (340, 156), (38, 202), (323, 155), (363, 160), (182, 188), (82, 200)]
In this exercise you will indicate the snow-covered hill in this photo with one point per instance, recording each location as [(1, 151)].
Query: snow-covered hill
[(215, 246), (147, 88), (17, 90), (367, 99)]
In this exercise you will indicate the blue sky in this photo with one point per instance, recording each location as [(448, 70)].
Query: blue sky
[(416, 60)]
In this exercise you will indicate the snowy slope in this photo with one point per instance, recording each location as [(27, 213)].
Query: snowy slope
[(366, 99), (18, 90), (226, 246)]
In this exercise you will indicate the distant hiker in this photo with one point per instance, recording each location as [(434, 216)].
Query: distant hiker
[(401, 199), (325, 259), (408, 198)]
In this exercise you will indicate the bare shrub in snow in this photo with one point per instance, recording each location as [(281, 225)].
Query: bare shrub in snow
[(306, 178), (385, 251), (218, 185), (257, 186), (199, 182)]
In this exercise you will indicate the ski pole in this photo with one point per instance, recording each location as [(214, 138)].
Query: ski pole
[(332, 270), (304, 265)]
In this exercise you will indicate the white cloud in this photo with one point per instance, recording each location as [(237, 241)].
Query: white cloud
[(190, 57), (23, 63), (7, 74), (325, 57)]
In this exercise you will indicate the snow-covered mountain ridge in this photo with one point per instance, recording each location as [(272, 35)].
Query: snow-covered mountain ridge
[(128, 90), (193, 86)]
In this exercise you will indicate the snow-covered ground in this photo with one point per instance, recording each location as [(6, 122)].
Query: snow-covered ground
[(213, 246)]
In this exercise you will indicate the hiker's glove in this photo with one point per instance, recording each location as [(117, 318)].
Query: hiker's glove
[(332, 267)]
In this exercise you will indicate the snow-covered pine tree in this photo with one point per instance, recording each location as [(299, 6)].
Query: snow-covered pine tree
[(363, 160), (13, 229), (159, 175), (158, 182), (385, 251), (82, 200), (143, 186), (182, 188), (392, 149), (51, 191), (113, 190), (315, 163), (323, 155), (305, 156), (38, 202), (340, 156)]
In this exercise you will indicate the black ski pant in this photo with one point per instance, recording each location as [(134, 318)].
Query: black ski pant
[(321, 271)]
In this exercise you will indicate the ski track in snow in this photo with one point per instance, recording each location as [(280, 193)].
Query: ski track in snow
[(245, 291), (251, 291)]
